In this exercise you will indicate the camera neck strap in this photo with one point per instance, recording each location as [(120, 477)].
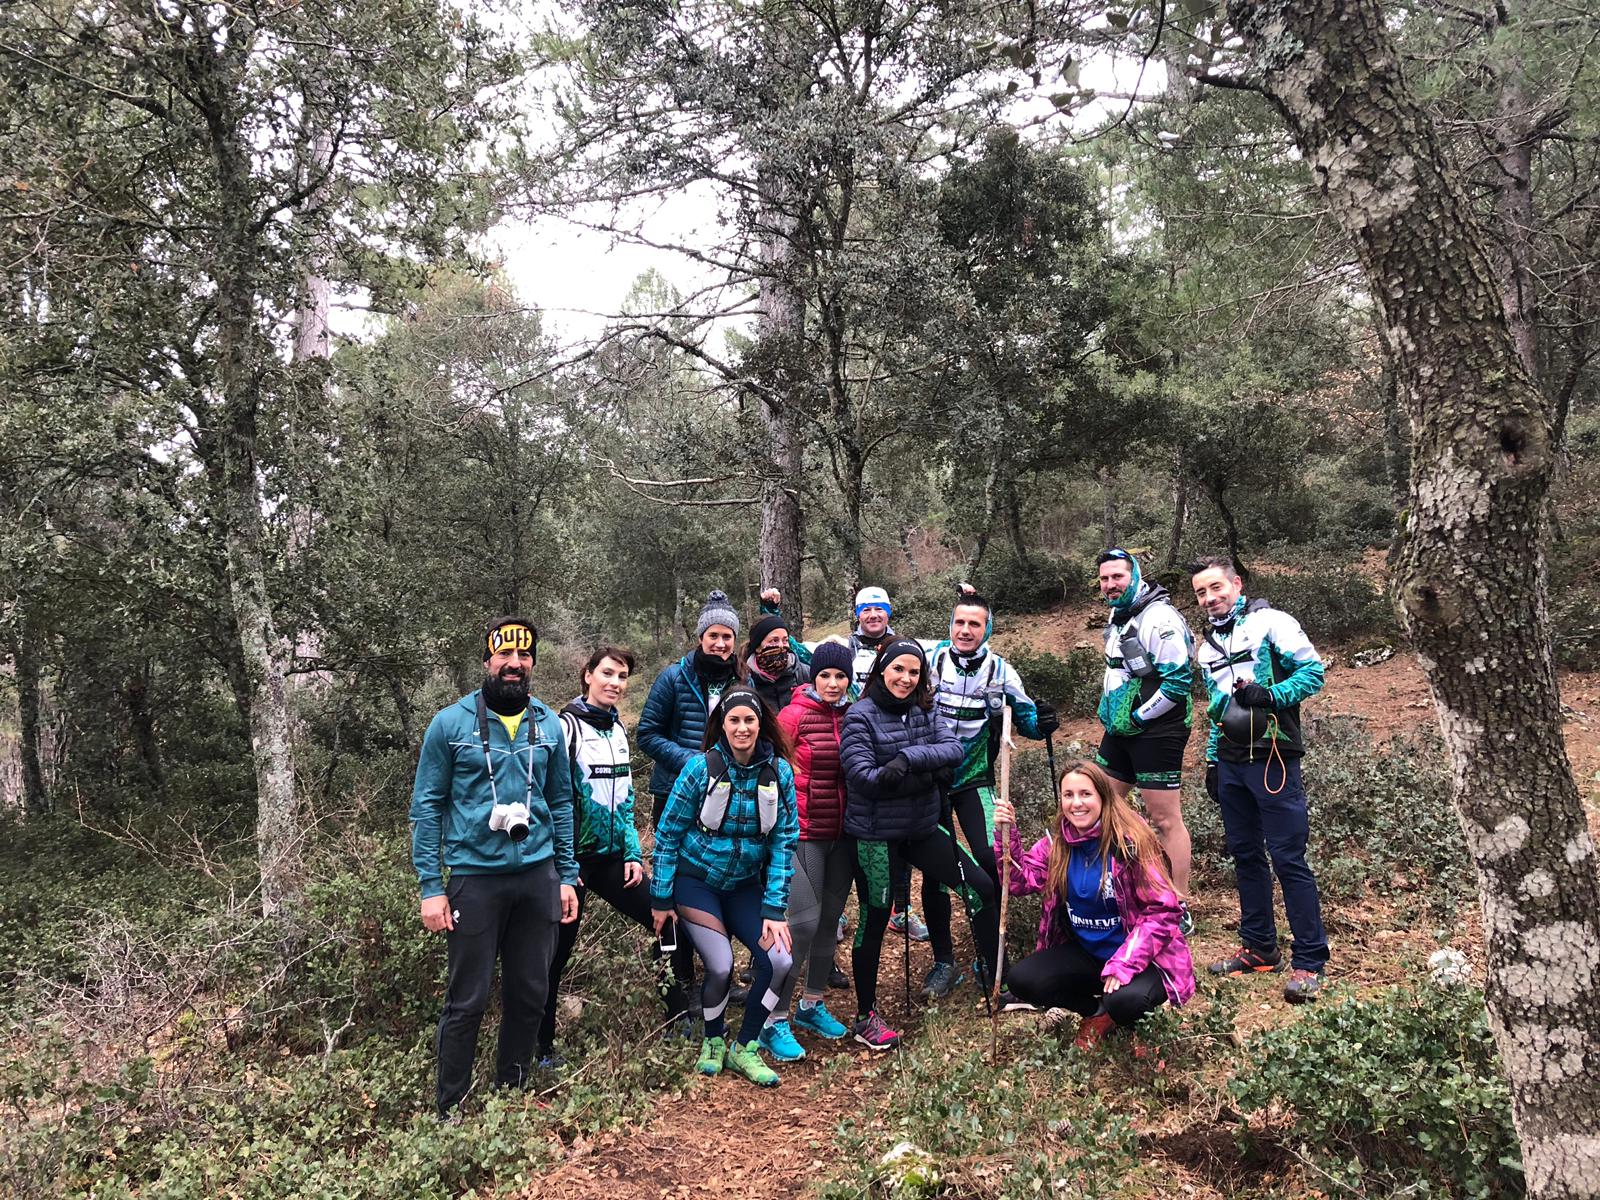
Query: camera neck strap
[(488, 759)]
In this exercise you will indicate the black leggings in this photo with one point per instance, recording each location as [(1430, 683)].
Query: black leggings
[(1068, 976), (940, 859), (967, 807), (603, 877)]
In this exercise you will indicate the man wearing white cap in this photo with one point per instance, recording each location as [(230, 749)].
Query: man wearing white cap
[(871, 633)]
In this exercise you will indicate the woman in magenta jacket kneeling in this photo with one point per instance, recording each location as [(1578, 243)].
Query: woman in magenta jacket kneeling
[(1109, 945)]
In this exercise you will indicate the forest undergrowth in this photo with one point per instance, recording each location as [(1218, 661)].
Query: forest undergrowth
[(154, 1048)]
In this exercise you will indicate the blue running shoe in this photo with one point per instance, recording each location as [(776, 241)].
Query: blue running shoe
[(820, 1021), (778, 1040)]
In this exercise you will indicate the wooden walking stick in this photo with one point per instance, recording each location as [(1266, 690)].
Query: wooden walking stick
[(1002, 835)]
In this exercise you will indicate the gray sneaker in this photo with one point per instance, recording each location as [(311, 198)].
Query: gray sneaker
[(908, 923), (1302, 987), (940, 981)]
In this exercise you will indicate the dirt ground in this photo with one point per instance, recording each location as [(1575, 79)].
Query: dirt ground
[(782, 1138)]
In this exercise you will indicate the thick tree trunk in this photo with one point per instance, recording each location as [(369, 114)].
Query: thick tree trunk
[(1216, 492), (991, 507), (25, 661), (241, 360), (1472, 570), (1180, 511), (1013, 506), (782, 332), (136, 696), (403, 710), (1108, 508)]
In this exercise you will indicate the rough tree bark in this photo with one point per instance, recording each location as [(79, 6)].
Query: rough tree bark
[(25, 662), (1472, 583), (241, 361)]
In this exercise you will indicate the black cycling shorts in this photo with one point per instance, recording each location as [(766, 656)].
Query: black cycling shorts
[(1150, 759)]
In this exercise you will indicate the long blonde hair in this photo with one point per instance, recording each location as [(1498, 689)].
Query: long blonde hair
[(1123, 832)]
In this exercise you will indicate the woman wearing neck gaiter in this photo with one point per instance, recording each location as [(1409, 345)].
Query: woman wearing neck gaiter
[(673, 725), (771, 665), (895, 751)]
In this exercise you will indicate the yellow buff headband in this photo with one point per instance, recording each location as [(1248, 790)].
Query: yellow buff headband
[(510, 637)]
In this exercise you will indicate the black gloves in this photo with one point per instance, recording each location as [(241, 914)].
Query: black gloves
[(944, 776), (894, 770), (1046, 718), (1211, 782), (1253, 695)]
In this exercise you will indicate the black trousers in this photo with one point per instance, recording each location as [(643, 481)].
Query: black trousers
[(603, 877), (513, 919), (1068, 976), (939, 858), (965, 806)]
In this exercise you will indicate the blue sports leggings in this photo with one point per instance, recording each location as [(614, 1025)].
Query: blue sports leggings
[(712, 919)]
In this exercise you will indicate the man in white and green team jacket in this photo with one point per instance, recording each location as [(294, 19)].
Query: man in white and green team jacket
[(1146, 706), (972, 684), (494, 795), (1259, 667)]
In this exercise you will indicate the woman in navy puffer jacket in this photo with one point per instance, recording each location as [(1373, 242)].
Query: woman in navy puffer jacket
[(897, 758)]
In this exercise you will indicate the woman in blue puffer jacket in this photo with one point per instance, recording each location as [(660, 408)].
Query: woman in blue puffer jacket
[(897, 758)]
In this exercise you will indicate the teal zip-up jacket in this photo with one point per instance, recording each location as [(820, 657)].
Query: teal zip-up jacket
[(452, 800), (739, 853)]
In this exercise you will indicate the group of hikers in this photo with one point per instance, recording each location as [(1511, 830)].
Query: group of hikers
[(787, 774)]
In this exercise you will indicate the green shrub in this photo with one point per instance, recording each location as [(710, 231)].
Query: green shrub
[(1381, 817), (1336, 602), (1032, 1125), (1042, 581), (1071, 682), (1401, 1094)]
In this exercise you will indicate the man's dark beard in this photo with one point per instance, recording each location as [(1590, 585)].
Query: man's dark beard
[(505, 696)]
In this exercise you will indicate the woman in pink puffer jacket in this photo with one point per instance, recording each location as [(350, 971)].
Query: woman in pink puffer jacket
[(1109, 945)]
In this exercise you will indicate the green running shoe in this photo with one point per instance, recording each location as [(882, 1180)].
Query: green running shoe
[(744, 1058), (713, 1050)]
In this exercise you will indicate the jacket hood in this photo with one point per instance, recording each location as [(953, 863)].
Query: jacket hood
[(1145, 595), (600, 718), (764, 754), (805, 695), (1130, 595), (1241, 606)]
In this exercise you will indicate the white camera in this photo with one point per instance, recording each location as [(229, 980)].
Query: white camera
[(510, 819)]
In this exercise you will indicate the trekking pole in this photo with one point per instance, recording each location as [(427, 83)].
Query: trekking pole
[(1050, 755), (1003, 836), (905, 951)]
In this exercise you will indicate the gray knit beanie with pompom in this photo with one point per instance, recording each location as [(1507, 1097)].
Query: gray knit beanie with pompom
[(717, 611)]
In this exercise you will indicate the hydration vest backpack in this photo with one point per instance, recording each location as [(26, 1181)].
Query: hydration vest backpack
[(719, 792)]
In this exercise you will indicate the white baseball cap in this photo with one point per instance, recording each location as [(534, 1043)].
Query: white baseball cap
[(873, 597)]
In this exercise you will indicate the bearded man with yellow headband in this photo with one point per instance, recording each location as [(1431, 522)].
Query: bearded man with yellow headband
[(493, 804)]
